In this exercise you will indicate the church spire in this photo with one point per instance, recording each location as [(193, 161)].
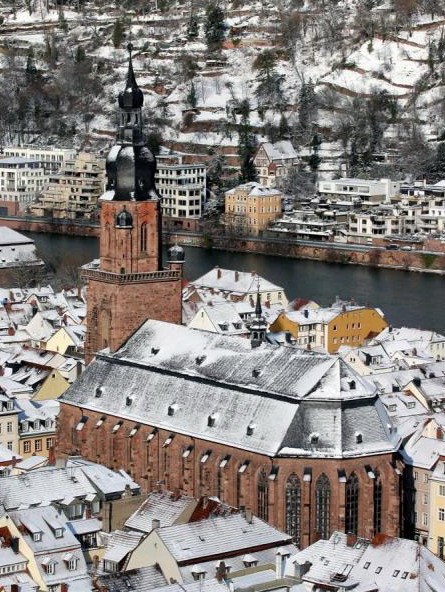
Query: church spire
[(258, 326), (131, 166)]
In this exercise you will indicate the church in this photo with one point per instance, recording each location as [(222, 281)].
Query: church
[(297, 437)]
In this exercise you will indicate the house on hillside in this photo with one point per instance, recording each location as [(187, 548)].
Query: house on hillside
[(274, 161)]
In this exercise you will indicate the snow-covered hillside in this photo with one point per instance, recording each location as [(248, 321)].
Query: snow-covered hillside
[(347, 81)]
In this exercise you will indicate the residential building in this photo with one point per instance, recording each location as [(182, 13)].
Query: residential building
[(9, 422), (436, 542), (50, 157), (308, 224), (273, 162), (237, 286), (21, 180), (235, 539), (16, 249), (380, 564), (73, 191), (182, 186), (250, 208), (329, 328), (37, 427), (359, 191)]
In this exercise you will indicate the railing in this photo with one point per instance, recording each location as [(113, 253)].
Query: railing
[(93, 273)]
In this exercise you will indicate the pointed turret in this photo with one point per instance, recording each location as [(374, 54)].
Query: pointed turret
[(258, 327)]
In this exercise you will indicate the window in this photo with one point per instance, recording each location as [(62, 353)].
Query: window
[(442, 514), (416, 475), (425, 499), (72, 564), (263, 496), (27, 446), (49, 443), (442, 490), (38, 445), (9, 427), (351, 513), (144, 237), (293, 507), (322, 506), (425, 519), (440, 546), (9, 445), (425, 478), (377, 504), (395, 573)]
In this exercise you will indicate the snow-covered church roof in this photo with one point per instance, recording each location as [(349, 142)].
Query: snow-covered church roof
[(294, 402)]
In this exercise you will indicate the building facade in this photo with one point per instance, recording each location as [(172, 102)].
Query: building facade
[(50, 157), (73, 191), (250, 208), (182, 187), (273, 162), (21, 179)]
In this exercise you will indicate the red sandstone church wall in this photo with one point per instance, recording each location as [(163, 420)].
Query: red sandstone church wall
[(152, 465), (115, 311)]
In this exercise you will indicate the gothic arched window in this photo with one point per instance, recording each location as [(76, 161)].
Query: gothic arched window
[(144, 237), (293, 508), (263, 495), (352, 492), (323, 506), (377, 503)]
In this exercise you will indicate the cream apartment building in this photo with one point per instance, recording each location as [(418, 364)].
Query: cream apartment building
[(251, 207)]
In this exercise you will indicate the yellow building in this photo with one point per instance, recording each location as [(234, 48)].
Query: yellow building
[(330, 328), (250, 208), (436, 541)]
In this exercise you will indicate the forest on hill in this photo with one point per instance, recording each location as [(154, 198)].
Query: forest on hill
[(356, 86)]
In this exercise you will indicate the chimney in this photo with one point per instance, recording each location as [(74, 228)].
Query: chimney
[(155, 523), (11, 330), (236, 276), (306, 313), (78, 368), (221, 571), (14, 461), (301, 568), (51, 457), (15, 544), (267, 303), (218, 272), (253, 273), (249, 516), (63, 587), (280, 562), (351, 539)]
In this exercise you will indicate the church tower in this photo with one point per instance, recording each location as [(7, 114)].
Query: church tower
[(129, 284)]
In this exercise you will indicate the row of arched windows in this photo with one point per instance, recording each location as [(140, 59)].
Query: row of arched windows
[(293, 501), (143, 237)]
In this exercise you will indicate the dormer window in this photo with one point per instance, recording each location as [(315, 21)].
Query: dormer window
[(49, 565), (25, 426), (58, 533), (71, 561), (36, 424), (250, 429), (37, 536), (9, 405), (199, 360), (172, 409), (314, 438), (99, 391)]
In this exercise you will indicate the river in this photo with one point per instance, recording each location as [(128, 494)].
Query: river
[(407, 298)]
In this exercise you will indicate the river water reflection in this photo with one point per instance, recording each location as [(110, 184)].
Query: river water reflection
[(407, 298)]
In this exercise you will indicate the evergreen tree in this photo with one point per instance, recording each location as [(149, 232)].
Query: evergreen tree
[(247, 144), (214, 26), (192, 97), (118, 33), (192, 28)]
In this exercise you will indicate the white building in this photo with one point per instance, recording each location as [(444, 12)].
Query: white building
[(50, 157), (21, 179), (182, 187), (370, 191), (16, 249)]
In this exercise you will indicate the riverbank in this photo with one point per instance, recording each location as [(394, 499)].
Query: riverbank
[(346, 254)]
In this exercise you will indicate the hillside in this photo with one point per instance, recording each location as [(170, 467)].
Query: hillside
[(358, 86)]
